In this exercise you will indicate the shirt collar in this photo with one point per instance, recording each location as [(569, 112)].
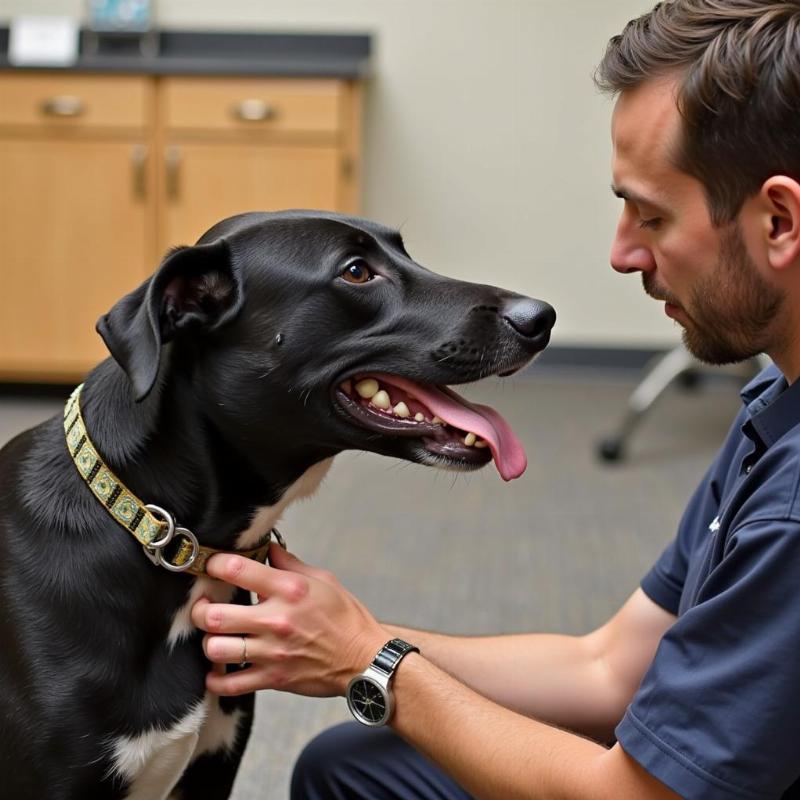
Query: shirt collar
[(756, 386), (773, 407)]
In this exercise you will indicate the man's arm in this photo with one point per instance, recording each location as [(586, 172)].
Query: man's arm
[(582, 683), (493, 752), (310, 636)]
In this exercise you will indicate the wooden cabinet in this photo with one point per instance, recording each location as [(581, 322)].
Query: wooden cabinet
[(76, 222), (208, 181), (233, 145), (101, 174), (62, 102)]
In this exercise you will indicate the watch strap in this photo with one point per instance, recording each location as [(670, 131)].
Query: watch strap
[(390, 655)]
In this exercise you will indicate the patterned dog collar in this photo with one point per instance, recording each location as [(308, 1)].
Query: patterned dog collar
[(165, 544)]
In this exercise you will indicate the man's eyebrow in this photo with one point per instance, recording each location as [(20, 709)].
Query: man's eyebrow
[(634, 197)]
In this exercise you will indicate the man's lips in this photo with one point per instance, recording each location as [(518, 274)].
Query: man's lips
[(671, 308)]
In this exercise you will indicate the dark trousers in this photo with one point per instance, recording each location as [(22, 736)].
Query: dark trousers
[(353, 762)]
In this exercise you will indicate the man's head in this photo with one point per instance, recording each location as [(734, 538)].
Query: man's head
[(737, 70), (706, 136)]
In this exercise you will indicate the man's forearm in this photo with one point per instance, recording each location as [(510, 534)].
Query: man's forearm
[(493, 752), (557, 679), (582, 683)]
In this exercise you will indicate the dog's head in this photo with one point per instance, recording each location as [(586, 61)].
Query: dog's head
[(311, 333)]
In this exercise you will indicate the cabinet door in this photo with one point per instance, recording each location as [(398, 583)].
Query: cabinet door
[(73, 228), (205, 183)]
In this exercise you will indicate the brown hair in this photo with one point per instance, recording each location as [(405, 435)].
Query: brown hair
[(738, 90)]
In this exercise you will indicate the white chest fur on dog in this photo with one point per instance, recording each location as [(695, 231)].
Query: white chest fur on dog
[(153, 762)]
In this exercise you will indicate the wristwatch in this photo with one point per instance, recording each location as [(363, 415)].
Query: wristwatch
[(369, 695)]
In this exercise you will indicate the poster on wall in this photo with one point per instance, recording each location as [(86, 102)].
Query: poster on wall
[(133, 16)]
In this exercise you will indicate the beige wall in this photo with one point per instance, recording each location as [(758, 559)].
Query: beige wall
[(485, 140)]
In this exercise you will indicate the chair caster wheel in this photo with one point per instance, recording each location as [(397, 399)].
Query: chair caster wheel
[(610, 449), (689, 379)]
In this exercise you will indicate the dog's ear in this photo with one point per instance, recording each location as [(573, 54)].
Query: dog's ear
[(195, 289)]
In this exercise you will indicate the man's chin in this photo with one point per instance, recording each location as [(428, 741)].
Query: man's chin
[(714, 352)]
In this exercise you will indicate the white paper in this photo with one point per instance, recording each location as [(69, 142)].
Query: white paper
[(43, 41)]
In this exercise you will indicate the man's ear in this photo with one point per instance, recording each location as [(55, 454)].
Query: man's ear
[(195, 289), (781, 201)]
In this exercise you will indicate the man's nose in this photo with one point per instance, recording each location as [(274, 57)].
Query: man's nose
[(628, 254)]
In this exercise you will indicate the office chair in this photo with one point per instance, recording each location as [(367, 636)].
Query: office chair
[(676, 365)]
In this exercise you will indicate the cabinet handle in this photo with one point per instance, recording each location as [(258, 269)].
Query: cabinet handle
[(173, 162), (254, 110), (139, 163), (63, 105)]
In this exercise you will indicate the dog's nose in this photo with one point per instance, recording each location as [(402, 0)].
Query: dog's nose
[(530, 318)]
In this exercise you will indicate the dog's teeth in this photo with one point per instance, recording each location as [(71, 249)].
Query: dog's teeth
[(481, 443), (470, 439), (381, 400), (367, 388), (347, 386), (438, 421), (401, 410), (419, 416)]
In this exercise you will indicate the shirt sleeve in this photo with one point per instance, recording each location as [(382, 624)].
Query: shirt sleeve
[(716, 715), (663, 584)]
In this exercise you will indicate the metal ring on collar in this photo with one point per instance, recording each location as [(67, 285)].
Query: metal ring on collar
[(278, 538), (162, 562), (166, 517)]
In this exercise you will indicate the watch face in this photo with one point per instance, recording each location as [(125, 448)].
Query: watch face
[(367, 701)]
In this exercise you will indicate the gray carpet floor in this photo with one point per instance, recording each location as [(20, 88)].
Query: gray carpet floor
[(557, 550)]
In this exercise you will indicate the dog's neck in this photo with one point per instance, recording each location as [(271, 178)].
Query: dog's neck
[(183, 464)]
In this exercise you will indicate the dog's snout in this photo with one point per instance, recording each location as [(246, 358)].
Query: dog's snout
[(530, 318)]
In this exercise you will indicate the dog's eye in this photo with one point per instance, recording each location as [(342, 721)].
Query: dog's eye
[(357, 272)]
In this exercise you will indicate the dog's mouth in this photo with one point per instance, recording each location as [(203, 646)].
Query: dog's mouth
[(460, 433)]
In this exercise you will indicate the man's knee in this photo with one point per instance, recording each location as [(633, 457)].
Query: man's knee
[(327, 766), (351, 762), (310, 774)]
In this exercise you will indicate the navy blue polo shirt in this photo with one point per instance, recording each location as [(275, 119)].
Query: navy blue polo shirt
[(718, 713)]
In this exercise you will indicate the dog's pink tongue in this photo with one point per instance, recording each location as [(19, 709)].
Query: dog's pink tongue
[(507, 451)]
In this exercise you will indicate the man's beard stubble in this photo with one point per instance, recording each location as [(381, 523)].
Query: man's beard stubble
[(731, 311)]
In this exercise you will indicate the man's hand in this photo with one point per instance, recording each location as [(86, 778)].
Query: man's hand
[(307, 635)]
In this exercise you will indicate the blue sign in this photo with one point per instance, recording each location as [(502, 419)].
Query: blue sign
[(120, 15)]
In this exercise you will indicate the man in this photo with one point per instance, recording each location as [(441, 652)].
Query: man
[(697, 676)]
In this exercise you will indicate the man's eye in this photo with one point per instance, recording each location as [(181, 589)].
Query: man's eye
[(654, 222), (357, 272)]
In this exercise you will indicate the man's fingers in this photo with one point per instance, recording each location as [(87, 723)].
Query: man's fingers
[(265, 581), (284, 560), (247, 574), (198, 611), (230, 649), (236, 683), (224, 617)]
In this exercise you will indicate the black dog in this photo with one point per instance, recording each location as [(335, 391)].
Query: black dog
[(239, 370)]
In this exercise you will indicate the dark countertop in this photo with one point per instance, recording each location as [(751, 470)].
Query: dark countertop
[(218, 53)]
